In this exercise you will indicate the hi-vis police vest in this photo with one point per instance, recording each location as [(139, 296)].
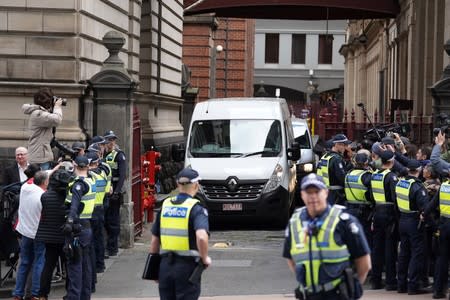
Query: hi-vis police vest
[(321, 252), (100, 187), (324, 168), (377, 182), (108, 173), (111, 161), (175, 227), (88, 199), (444, 199), (402, 190), (355, 190)]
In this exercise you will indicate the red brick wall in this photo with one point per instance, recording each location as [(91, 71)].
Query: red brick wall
[(235, 63), (236, 67)]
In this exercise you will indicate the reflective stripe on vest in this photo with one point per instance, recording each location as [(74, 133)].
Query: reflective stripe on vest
[(377, 183), (88, 199), (402, 190), (100, 187), (324, 168), (324, 249), (355, 190), (108, 177), (175, 227), (444, 199)]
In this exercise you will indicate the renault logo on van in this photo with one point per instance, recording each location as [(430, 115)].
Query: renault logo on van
[(232, 184)]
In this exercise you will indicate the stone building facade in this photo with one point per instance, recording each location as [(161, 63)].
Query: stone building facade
[(397, 58), (58, 44)]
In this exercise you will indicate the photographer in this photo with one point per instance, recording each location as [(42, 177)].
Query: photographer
[(45, 114), (440, 166)]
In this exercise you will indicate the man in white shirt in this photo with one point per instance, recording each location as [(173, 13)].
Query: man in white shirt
[(32, 253)]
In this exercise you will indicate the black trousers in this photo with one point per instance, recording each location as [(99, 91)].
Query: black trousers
[(441, 267), (174, 279), (52, 253)]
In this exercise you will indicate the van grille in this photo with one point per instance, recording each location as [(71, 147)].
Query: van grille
[(219, 190)]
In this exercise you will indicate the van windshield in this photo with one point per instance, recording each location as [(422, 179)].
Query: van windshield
[(301, 136), (235, 138)]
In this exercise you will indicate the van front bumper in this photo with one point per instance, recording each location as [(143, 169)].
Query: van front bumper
[(267, 205)]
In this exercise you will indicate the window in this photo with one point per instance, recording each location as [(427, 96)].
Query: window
[(272, 48), (325, 49), (298, 49)]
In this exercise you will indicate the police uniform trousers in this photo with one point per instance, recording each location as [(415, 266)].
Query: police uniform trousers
[(79, 271), (363, 213), (384, 251), (174, 275), (112, 225), (411, 256), (441, 267), (336, 197), (98, 239)]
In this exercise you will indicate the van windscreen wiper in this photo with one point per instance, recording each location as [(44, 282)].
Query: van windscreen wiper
[(216, 154), (267, 152)]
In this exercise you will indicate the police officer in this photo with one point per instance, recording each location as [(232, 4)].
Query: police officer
[(384, 250), (115, 158), (180, 234), (101, 172), (80, 200), (332, 169), (411, 201), (322, 241), (358, 192)]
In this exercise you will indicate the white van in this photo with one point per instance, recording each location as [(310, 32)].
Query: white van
[(244, 151)]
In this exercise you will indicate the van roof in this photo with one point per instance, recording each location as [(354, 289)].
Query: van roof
[(240, 108)]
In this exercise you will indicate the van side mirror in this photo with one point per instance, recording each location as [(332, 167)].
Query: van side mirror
[(293, 153), (178, 152)]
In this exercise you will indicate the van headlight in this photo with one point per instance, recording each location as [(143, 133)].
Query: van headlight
[(274, 180), (307, 168)]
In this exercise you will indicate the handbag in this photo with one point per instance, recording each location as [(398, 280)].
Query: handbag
[(151, 269)]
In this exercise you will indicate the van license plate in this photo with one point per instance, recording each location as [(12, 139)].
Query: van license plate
[(231, 206)]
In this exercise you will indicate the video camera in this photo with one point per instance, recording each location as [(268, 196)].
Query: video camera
[(55, 98), (444, 123), (402, 129)]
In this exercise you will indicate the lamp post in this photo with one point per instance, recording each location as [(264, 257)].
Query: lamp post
[(312, 87), (212, 79)]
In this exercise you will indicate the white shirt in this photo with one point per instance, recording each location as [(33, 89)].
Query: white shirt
[(22, 175), (30, 207)]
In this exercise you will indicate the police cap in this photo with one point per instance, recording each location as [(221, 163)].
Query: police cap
[(413, 165), (313, 180), (109, 135), (98, 140), (188, 175), (341, 138), (386, 156), (361, 158), (92, 157), (81, 161), (78, 146)]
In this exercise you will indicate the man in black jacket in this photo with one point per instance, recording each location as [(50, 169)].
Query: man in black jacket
[(50, 226), (15, 173)]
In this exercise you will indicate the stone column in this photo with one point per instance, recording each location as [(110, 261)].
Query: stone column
[(113, 90)]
